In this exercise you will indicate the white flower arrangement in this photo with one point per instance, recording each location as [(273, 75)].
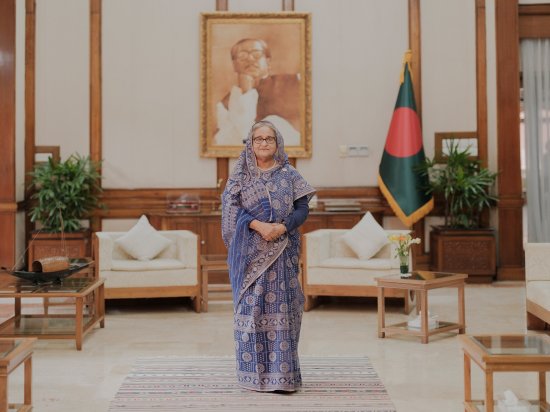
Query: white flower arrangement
[(403, 243)]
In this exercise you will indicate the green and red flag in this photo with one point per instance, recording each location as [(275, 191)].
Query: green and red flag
[(399, 181)]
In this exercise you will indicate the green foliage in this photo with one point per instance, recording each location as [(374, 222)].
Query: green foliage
[(65, 193), (462, 183)]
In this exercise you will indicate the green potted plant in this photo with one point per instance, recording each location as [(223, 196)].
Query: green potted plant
[(65, 193), (463, 187)]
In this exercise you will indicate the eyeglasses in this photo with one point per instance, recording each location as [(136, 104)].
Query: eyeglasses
[(255, 53), (259, 140)]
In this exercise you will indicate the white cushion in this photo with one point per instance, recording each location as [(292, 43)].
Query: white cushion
[(154, 265), (538, 291), (142, 242), (127, 279), (366, 238), (354, 263)]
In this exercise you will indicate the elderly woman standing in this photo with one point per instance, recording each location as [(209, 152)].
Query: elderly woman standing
[(264, 202)]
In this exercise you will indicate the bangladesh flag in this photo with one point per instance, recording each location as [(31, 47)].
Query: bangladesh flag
[(400, 183)]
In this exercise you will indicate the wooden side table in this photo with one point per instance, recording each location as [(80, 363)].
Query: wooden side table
[(421, 282), (212, 264), (59, 326), (505, 353), (87, 272), (14, 352)]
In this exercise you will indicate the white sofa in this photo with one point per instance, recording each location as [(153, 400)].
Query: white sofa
[(174, 272), (331, 268), (537, 285)]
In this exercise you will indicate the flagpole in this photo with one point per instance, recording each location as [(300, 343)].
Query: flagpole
[(419, 226), (419, 254)]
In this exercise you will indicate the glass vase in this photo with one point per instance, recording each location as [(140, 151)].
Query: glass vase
[(403, 264)]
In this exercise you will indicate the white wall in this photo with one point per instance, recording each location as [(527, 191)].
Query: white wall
[(448, 68), (356, 64), (448, 74), (151, 95), (151, 81), (62, 74), (243, 6)]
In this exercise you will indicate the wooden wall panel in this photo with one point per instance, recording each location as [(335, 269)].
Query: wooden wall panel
[(121, 203), (510, 231), (8, 205), (421, 259), (481, 82), (481, 93), (415, 46), (30, 107), (222, 164), (95, 80), (511, 251), (288, 5), (129, 204), (30, 102), (534, 20), (95, 91), (534, 26)]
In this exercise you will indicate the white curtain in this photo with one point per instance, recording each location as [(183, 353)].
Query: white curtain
[(535, 59)]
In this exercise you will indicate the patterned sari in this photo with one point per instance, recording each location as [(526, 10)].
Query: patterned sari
[(267, 297)]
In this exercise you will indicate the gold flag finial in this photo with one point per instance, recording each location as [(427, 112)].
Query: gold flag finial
[(407, 59)]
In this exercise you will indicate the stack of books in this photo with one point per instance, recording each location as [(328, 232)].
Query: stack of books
[(342, 205)]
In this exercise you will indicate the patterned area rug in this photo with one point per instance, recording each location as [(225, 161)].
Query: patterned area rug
[(209, 384)]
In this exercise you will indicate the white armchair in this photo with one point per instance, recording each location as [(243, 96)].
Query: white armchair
[(537, 285), (331, 268), (174, 272)]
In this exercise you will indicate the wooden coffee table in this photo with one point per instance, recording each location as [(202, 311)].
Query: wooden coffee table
[(421, 282), (89, 302), (505, 353), (14, 352)]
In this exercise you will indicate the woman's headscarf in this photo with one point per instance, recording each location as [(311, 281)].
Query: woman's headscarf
[(250, 164)]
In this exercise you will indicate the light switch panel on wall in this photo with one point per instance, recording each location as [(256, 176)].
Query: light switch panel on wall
[(353, 150), (358, 151)]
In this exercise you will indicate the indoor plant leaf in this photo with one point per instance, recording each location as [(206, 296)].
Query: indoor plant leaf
[(65, 192)]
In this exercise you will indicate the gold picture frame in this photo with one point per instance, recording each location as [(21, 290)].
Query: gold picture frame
[(255, 66), (464, 140)]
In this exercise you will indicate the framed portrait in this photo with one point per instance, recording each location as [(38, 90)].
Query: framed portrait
[(255, 66), (464, 140)]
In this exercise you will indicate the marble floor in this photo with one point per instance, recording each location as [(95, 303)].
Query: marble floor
[(419, 378)]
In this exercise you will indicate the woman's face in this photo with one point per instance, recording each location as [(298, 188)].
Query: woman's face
[(264, 143)]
